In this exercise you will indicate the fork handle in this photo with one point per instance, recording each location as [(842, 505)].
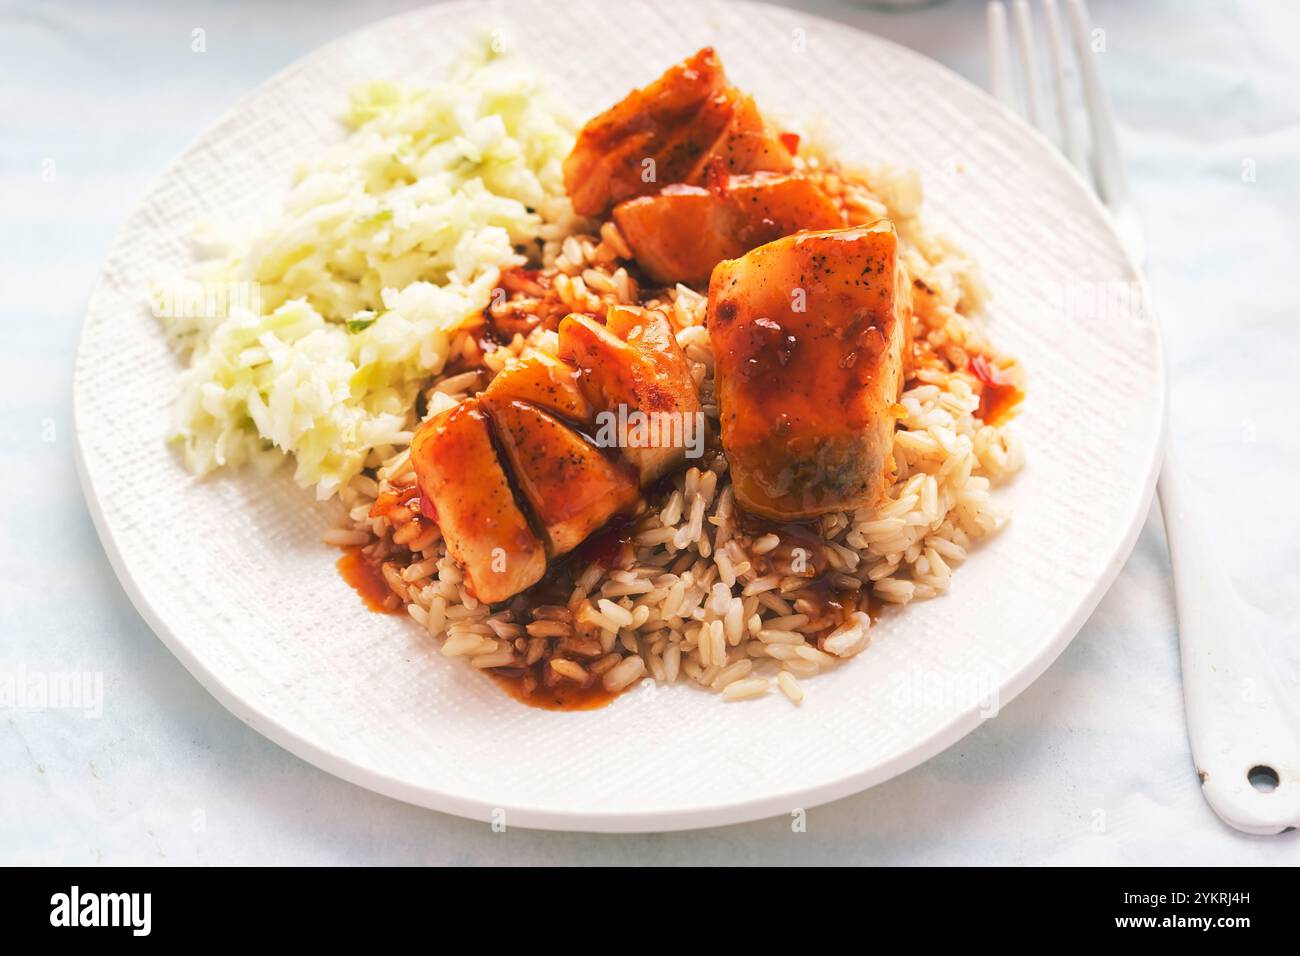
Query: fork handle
[(1236, 720)]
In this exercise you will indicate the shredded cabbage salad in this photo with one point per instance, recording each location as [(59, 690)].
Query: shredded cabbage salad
[(383, 249)]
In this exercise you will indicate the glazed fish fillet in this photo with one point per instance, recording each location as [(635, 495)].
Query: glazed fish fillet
[(513, 475), (486, 532), (808, 337), (545, 382), (633, 362), (571, 487), (670, 132), (681, 233)]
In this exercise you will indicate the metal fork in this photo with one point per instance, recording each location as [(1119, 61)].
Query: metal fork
[(1245, 745)]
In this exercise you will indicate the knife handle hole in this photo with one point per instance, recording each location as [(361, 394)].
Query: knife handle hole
[(1262, 778)]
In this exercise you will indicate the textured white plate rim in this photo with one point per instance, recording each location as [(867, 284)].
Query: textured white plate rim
[(676, 819)]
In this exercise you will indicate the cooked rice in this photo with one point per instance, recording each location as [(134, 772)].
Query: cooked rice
[(694, 592)]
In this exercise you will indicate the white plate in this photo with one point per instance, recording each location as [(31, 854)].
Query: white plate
[(230, 573)]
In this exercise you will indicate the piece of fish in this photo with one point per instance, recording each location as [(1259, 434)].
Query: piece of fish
[(544, 381), (633, 364), (808, 337), (682, 232), (513, 474), (669, 132), (459, 472), (571, 487)]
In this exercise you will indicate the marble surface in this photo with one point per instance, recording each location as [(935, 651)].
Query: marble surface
[(1090, 765)]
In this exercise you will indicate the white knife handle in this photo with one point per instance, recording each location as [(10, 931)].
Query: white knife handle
[(1236, 721)]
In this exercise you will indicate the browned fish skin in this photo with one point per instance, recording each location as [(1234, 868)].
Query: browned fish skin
[(634, 361), (668, 132), (681, 233), (571, 488), (458, 470), (808, 336)]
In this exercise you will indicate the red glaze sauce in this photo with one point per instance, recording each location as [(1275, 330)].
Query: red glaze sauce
[(368, 581), (998, 395)]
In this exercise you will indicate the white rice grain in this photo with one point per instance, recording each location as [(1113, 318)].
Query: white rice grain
[(746, 689), (346, 537), (789, 686), (623, 674)]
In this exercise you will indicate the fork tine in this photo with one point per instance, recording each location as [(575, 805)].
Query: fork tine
[(999, 54), (1110, 171), (1028, 63), (1058, 55)]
